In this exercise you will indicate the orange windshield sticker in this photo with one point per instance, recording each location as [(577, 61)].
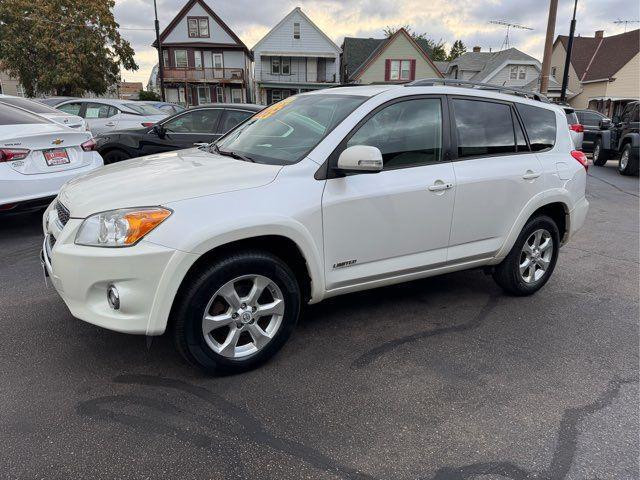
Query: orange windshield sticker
[(269, 111)]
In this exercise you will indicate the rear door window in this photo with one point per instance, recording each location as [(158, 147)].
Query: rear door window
[(71, 108), (196, 121), (99, 110), (232, 118), (483, 128), (540, 124), (572, 118)]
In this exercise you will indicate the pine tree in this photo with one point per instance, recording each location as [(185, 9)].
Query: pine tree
[(457, 49)]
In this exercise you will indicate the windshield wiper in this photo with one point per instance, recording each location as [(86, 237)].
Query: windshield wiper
[(229, 153)]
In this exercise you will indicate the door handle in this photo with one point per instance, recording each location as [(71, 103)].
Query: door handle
[(109, 124), (531, 175), (438, 187)]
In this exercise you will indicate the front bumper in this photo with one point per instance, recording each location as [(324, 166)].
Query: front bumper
[(146, 275)]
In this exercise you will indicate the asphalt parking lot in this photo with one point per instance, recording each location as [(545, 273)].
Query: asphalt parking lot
[(444, 378)]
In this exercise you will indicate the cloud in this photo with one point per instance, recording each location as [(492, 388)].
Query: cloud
[(439, 19)]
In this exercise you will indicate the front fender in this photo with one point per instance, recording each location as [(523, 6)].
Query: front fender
[(633, 138)]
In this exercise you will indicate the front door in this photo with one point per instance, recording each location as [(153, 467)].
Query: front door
[(186, 129), (397, 221), (496, 175)]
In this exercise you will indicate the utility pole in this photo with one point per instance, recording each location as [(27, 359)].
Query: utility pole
[(567, 61), (160, 72), (548, 47)]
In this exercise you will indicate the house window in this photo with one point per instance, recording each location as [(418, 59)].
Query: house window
[(276, 96), (197, 57), (518, 72), (285, 65), (19, 90), (165, 58), (181, 58), (204, 95), (236, 95), (217, 60), (198, 27), (275, 65), (399, 70), (296, 30), (219, 95), (553, 71)]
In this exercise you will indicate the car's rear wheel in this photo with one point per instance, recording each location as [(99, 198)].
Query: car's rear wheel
[(628, 164), (600, 156), (113, 156), (532, 258), (237, 313)]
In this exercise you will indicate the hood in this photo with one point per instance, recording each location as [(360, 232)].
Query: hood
[(161, 179)]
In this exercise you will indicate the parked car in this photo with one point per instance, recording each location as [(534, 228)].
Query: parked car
[(167, 107), (620, 139), (590, 120), (53, 101), (106, 115), (198, 125), (321, 194), (68, 120), (37, 156), (575, 127)]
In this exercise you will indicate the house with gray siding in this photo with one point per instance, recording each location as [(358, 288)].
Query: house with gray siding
[(295, 56), (203, 60)]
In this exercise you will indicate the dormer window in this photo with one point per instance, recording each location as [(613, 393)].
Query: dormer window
[(296, 30), (198, 27)]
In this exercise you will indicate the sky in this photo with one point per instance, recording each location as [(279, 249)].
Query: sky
[(445, 20)]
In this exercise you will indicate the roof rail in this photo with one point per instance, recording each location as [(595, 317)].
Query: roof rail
[(430, 82)]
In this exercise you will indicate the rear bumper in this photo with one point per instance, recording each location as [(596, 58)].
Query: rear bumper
[(16, 188), (577, 216)]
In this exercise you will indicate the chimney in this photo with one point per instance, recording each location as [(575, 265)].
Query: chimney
[(600, 34), (476, 49)]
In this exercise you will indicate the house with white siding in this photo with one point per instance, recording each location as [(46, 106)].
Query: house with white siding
[(295, 56), (510, 67), (203, 60)]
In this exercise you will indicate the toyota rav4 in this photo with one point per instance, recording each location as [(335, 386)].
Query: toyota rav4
[(322, 194)]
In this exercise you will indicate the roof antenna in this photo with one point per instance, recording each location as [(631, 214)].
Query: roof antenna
[(505, 42), (625, 23)]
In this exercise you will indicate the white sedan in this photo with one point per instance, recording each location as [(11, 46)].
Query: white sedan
[(37, 156), (66, 119)]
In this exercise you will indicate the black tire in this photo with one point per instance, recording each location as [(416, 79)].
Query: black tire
[(187, 314), (507, 273), (115, 155), (630, 167), (600, 155)]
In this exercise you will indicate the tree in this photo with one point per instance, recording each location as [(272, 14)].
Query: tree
[(64, 47), (435, 49), (457, 49), (148, 95)]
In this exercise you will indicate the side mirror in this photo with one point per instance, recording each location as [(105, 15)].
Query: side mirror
[(360, 158), (159, 130), (604, 124)]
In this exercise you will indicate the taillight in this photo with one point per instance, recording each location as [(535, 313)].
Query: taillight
[(89, 145), (576, 127), (148, 124), (10, 154), (581, 158)]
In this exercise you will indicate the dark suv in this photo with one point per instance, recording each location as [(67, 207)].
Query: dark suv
[(620, 139)]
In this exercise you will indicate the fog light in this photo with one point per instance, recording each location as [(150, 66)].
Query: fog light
[(113, 297)]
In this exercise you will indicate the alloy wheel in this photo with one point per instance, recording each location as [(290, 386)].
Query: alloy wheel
[(243, 316), (624, 159), (536, 256)]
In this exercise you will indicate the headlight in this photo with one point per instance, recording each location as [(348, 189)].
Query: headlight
[(120, 228)]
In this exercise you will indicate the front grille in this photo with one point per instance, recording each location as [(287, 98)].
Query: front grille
[(63, 213)]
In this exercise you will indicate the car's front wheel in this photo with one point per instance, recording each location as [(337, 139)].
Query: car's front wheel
[(600, 156), (532, 258), (628, 164), (237, 313)]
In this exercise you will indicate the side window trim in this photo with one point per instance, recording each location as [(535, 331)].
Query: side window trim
[(454, 130), (326, 172), (187, 112)]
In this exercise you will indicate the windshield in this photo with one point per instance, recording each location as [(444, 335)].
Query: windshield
[(144, 109), (30, 105), (285, 132)]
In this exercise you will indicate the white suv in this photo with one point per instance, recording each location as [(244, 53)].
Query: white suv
[(321, 194)]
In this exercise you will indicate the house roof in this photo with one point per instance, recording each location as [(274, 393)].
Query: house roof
[(298, 10), (358, 52), (442, 66), (600, 58), (483, 63), (183, 12)]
